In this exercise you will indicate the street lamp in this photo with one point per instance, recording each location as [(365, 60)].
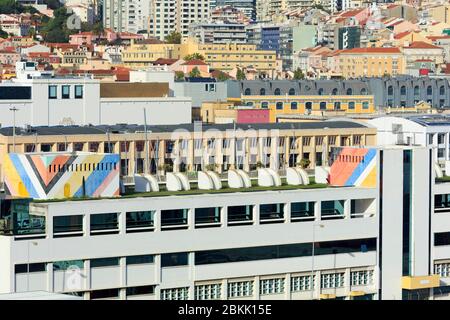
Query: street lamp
[(14, 109), (34, 243), (312, 256)]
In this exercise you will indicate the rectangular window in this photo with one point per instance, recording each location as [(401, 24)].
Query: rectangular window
[(351, 105), (65, 265), (143, 259), (32, 267), (104, 262), (284, 251), (442, 269), (175, 294), (301, 283), (361, 278), (302, 211), (442, 203), (271, 286), (273, 211), (332, 280), (240, 289), (136, 291), (365, 105), (104, 294), (65, 92), (52, 92), (238, 214), (442, 238), (174, 259), (78, 92), (68, 224), (207, 215), (208, 291), (104, 222), (175, 217), (139, 221), (332, 209)]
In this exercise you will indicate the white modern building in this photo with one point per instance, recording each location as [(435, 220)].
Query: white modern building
[(176, 15), (354, 242), (431, 130), (38, 99), (126, 15)]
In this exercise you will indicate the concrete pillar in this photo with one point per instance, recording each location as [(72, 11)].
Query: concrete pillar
[(157, 220), (191, 263), (287, 287), (287, 212), (347, 209), (317, 211), (50, 277), (224, 217), (122, 219), (256, 219), (49, 227), (157, 263), (86, 225), (87, 273), (191, 218), (224, 290), (123, 274), (256, 288)]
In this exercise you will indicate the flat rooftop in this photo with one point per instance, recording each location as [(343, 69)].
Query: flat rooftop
[(190, 127), (38, 295), (431, 120), (195, 191)]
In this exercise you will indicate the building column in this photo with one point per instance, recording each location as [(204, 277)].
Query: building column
[(287, 287), (157, 220), (256, 288), (224, 290), (317, 211), (224, 217), (157, 263), (50, 287), (347, 209), (132, 158), (87, 276), (347, 282), (287, 212), (86, 225), (256, 214), (191, 218), (191, 264), (122, 222), (123, 277)]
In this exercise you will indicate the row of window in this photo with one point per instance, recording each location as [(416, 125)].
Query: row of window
[(137, 221), (78, 167), (416, 90), (239, 289), (65, 92), (308, 105), (293, 92)]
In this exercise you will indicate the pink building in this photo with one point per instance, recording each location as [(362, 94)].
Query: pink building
[(9, 57), (253, 116), (192, 64)]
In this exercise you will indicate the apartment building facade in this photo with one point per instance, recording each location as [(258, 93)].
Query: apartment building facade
[(193, 147), (353, 242)]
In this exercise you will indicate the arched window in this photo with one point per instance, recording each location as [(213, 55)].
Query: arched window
[(320, 92), (334, 92), (292, 92), (416, 91), (323, 105), (294, 105), (264, 105), (349, 91), (247, 92), (429, 90), (442, 90), (279, 105), (390, 90), (308, 105), (403, 90), (262, 92), (277, 92), (363, 91)]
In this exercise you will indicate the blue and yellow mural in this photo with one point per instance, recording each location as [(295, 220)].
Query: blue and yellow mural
[(61, 175)]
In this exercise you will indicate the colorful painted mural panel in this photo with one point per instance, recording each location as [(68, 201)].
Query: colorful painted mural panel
[(354, 167), (61, 175)]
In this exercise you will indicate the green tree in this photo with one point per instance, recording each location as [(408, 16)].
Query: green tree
[(56, 29), (222, 76), (195, 73), (3, 33), (304, 163), (179, 75), (298, 74), (53, 4), (194, 56), (173, 37), (240, 75)]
